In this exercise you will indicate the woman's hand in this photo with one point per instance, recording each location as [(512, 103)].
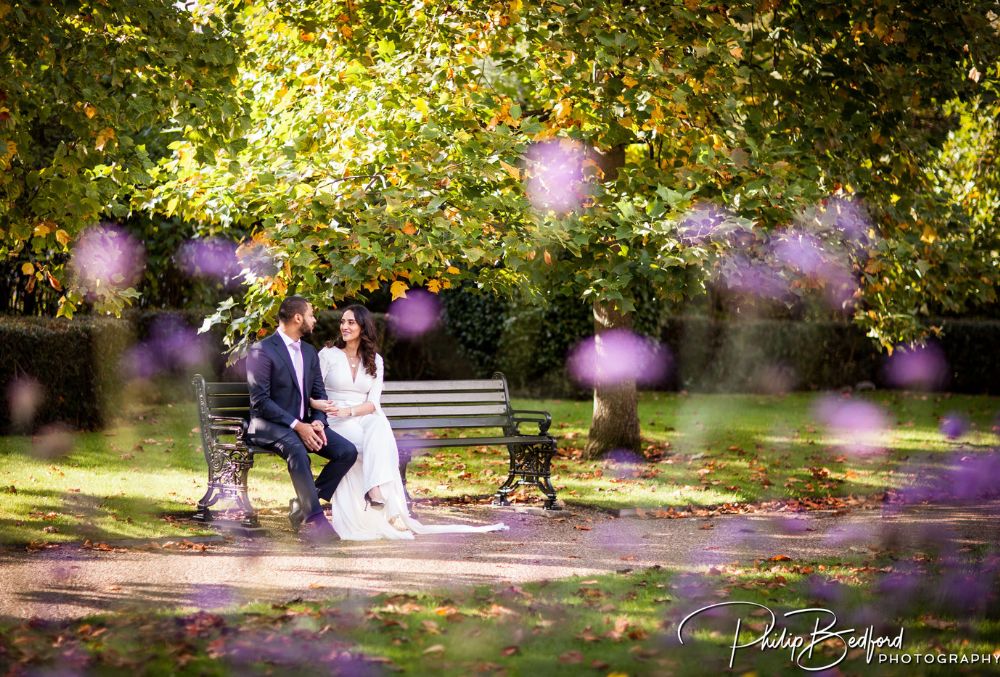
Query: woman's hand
[(326, 406)]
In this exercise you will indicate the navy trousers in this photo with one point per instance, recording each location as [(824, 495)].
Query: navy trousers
[(339, 452)]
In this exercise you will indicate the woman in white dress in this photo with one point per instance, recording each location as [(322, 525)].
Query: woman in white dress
[(369, 502)]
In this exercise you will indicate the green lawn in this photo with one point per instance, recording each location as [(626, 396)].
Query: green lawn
[(617, 624), (135, 480), (719, 449)]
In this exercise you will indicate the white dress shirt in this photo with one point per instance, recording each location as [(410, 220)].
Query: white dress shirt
[(295, 352)]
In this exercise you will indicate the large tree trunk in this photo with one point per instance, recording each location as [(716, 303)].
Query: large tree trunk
[(616, 407)]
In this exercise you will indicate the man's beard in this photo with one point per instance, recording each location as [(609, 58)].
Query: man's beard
[(306, 330)]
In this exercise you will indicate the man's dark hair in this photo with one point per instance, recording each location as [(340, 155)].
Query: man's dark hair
[(290, 306)]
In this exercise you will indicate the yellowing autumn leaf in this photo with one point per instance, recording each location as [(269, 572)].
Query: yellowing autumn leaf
[(548, 257), (421, 105), (398, 289), (371, 285), (103, 136), (305, 36), (452, 270), (563, 109), (28, 269), (89, 110), (928, 236), (629, 81), (43, 229), (9, 149), (409, 228), (514, 172), (62, 237)]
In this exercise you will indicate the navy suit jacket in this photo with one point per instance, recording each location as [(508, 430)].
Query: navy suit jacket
[(274, 395)]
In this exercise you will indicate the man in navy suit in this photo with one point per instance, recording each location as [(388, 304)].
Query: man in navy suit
[(283, 373)]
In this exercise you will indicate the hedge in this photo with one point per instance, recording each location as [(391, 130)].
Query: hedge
[(82, 365), (77, 364)]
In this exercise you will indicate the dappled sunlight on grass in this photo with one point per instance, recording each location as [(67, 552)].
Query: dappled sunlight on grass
[(620, 623), (703, 450)]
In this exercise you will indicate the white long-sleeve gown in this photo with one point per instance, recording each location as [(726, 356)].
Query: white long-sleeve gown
[(378, 460)]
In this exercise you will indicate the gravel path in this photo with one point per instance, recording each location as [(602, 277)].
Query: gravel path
[(209, 573)]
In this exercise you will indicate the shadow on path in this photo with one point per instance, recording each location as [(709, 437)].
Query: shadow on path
[(69, 581)]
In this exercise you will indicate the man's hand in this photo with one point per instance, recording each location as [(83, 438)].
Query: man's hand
[(320, 429), (313, 440)]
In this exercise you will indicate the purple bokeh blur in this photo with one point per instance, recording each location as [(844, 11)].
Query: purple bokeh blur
[(616, 356), (255, 260), (24, 396), (803, 252), (847, 216), (965, 477), (213, 258), (808, 255), (702, 221), (415, 314), (756, 278), (953, 425), (172, 348), (555, 175), (106, 256), (917, 367), (858, 423)]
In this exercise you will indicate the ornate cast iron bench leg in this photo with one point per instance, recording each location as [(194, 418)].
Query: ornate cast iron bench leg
[(504, 490), (529, 464), (203, 514), (543, 479), (242, 462)]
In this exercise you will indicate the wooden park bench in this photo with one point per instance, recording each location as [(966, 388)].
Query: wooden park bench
[(442, 409)]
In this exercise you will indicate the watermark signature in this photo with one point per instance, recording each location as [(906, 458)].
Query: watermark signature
[(801, 646)]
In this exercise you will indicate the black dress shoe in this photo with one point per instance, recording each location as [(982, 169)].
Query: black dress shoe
[(295, 516), (319, 531)]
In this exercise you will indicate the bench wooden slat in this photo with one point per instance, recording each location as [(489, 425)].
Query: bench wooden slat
[(226, 388), (229, 401), (410, 443), (403, 411), (442, 397), (235, 412), (447, 422), (433, 386)]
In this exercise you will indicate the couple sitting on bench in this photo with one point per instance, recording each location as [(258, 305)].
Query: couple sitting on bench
[(327, 403)]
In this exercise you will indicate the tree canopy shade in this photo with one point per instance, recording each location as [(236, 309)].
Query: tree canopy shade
[(90, 93), (390, 143), (553, 146)]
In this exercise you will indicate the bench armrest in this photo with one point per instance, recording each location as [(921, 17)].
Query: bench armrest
[(542, 418), (232, 425)]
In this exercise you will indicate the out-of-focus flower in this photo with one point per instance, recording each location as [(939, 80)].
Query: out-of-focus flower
[(172, 347), (756, 278), (920, 367), (702, 221), (106, 257), (616, 356), (953, 425), (24, 396), (415, 314), (53, 440), (555, 175), (859, 424), (213, 258)]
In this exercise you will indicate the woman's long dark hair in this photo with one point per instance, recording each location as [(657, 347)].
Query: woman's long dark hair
[(369, 337)]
